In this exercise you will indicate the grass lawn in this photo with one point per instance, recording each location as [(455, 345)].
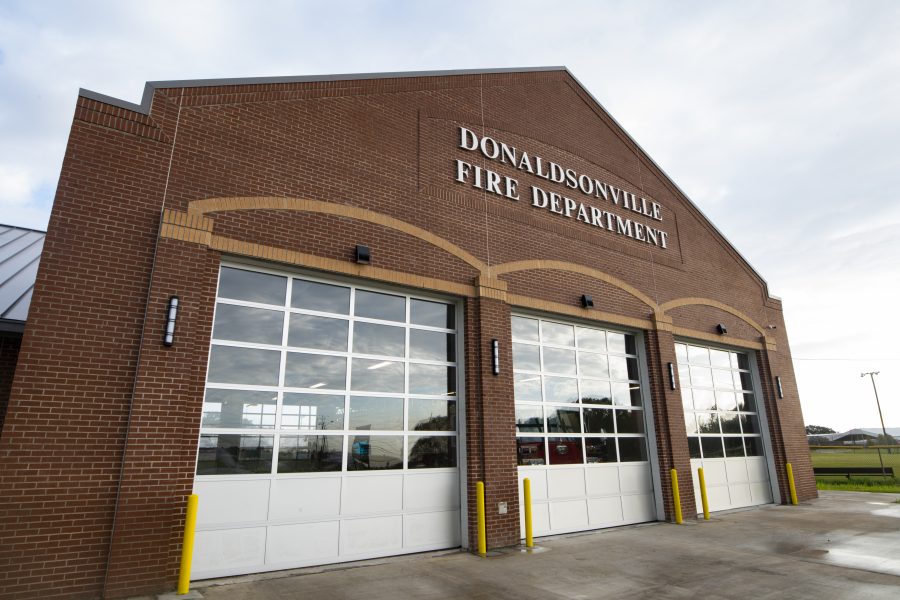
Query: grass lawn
[(857, 458)]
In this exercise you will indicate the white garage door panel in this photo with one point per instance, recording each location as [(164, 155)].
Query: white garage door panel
[(372, 494), (736, 470), (422, 491), (568, 516), (566, 483), (602, 480), (761, 492), (306, 498), (638, 508), (635, 479), (303, 542), (431, 530), (223, 502), (757, 470), (377, 535), (228, 550), (740, 494), (605, 511)]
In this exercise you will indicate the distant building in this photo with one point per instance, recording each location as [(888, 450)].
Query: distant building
[(852, 437)]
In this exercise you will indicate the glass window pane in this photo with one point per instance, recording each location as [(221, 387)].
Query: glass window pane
[(376, 375), (733, 447), (563, 420), (386, 307), (719, 358), (681, 353), (698, 355), (322, 297), (687, 399), (591, 339), (375, 413), (432, 314), (632, 369), (432, 415), (434, 380), (527, 387), (308, 412), (432, 345), (432, 452), (704, 400), (320, 333), (565, 451), (746, 402), (245, 324), (251, 286), (694, 447), (525, 329), (530, 451), (684, 375), (529, 419), (712, 447), (630, 347), (632, 449), (635, 390), (618, 368), (560, 389), (557, 333), (746, 384), (601, 450), (726, 401), (701, 376), (315, 371), (374, 452), (239, 408), (247, 366), (743, 362), (730, 422), (616, 342), (370, 338), (749, 424), (708, 423), (722, 379), (526, 357), (234, 454), (595, 392), (621, 394), (753, 446), (598, 420), (593, 365), (310, 453), (630, 421), (559, 361), (690, 423)]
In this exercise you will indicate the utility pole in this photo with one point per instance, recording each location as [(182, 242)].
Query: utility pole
[(872, 375)]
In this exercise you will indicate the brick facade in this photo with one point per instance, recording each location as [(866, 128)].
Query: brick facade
[(99, 441)]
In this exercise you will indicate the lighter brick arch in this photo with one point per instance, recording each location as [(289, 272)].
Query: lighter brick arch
[(679, 302), (556, 265), (211, 205)]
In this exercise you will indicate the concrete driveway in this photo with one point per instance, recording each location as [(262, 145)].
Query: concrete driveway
[(844, 545)]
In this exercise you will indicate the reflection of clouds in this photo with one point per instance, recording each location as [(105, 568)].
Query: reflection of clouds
[(388, 378), (252, 286), (432, 314), (306, 370), (559, 361), (373, 305), (557, 333), (593, 365), (248, 366), (369, 412), (244, 324), (559, 389), (322, 333), (322, 297), (591, 339), (431, 345), (431, 379), (371, 338)]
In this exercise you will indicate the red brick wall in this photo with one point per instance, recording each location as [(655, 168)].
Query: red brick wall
[(97, 510)]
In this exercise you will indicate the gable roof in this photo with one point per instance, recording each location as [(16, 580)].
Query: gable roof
[(20, 254), (151, 86)]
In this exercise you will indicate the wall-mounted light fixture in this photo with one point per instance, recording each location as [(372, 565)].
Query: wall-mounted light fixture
[(587, 301), (495, 356), (671, 376), (363, 255), (721, 329), (778, 385), (171, 316)]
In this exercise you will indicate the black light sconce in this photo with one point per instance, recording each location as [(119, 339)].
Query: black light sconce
[(363, 255), (671, 376), (495, 356), (778, 385), (171, 316), (721, 329), (587, 301)]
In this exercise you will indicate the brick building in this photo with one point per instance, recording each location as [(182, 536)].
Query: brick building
[(388, 288)]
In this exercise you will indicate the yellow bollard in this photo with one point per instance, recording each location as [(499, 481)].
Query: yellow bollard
[(529, 538), (676, 497), (790, 474), (482, 531), (703, 494), (187, 546)]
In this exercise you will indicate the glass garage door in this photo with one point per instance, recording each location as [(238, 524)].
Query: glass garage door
[(722, 419), (581, 426), (329, 427)]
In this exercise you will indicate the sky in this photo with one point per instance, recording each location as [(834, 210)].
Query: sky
[(780, 120)]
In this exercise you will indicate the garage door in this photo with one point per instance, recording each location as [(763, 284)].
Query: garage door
[(722, 418), (329, 428), (581, 426)]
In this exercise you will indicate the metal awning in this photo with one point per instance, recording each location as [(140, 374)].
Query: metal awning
[(20, 254)]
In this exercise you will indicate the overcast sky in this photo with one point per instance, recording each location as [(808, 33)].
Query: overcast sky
[(780, 120)]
